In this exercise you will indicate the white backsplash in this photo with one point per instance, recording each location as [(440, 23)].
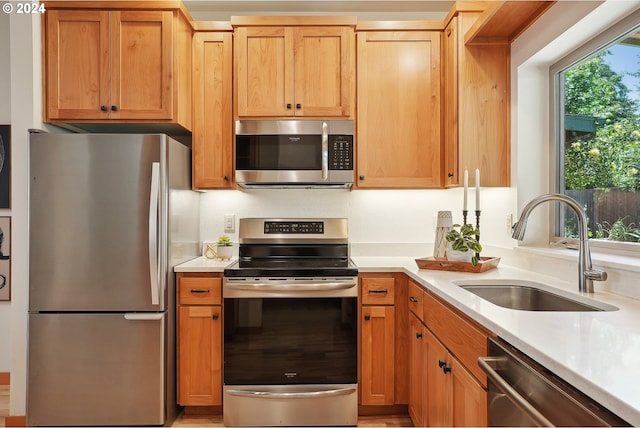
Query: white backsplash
[(375, 216)]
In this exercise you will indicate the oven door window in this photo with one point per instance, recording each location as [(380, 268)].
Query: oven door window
[(276, 341), (278, 152)]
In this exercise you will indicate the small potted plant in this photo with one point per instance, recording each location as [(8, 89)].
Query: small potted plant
[(463, 244), (224, 247)]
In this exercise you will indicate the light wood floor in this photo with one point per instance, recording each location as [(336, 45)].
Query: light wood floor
[(4, 403), (363, 421), (216, 421)]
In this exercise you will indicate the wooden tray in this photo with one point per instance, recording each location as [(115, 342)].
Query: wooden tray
[(484, 264)]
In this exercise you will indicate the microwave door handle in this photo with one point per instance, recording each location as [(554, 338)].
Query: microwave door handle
[(325, 151)]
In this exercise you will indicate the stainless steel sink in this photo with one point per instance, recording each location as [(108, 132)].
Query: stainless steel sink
[(529, 296)]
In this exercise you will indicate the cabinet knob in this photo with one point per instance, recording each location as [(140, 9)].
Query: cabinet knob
[(288, 105), (226, 178), (450, 175), (362, 177), (298, 105), (103, 108), (413, 299), (367, 317), (215, 317), (114, 108), (418, 335)]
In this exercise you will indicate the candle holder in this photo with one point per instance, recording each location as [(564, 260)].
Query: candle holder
[(464, 216), (478, 229)]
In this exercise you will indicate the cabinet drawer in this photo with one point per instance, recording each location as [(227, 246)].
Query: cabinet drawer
[(200, 291), (416, 299), (463, 338), (378, 291)]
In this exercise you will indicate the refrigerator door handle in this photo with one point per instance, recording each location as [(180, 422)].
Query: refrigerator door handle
[(137, 316), (153, 232)]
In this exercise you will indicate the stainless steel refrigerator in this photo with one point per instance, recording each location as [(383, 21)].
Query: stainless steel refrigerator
[(109, 218)]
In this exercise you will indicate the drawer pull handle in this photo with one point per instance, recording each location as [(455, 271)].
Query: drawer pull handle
[(443, 366), (378, 291), (418, 335), (196, 291), (367, 317), (413, 299), (215, 317)]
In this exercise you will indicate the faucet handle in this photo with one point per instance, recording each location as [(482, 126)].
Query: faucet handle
[(596, 275)]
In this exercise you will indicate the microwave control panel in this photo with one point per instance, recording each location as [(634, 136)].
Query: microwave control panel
[(341, 152)]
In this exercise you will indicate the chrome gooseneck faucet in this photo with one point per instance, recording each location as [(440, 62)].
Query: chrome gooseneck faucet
[(586, 273)]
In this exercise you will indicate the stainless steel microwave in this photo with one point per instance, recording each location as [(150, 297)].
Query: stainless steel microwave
[(294, 153)]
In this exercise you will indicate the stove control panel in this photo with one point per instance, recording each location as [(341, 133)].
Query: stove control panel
[(298, 227)]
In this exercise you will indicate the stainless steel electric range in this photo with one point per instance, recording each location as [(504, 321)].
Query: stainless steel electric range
[(290, 325)]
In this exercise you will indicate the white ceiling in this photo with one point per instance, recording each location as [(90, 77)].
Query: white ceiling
[(216, 10)]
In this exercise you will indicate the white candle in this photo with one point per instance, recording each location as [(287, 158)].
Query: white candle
[(466, 188), (477, 189)]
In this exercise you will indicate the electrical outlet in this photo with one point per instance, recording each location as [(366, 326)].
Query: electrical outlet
[(509, 223), (229, 223)]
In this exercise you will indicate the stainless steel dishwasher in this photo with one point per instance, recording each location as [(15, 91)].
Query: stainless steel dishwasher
[(523, 393)]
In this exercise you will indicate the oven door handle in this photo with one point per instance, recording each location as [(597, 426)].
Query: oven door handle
[(301, 286), (309, 394), (488, 364)]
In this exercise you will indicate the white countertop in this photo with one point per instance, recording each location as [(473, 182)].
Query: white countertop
[(203, 264), (596, 352)]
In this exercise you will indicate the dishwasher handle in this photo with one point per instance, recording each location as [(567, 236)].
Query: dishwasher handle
[(487, 364)]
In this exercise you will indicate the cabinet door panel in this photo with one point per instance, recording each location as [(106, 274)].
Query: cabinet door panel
[(416, 372), (378, 337), (322, 71), (264, 71), (141, 65), (200, 355), (399, 109), (77, 64), (439, 393), (469, 398), (213, 132)]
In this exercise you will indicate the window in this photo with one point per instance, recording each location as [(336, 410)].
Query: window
[(598, 136)]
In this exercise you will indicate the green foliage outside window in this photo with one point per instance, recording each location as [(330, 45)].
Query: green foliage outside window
[(606, 157)]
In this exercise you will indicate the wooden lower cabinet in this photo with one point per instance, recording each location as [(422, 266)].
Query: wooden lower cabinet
[(442, 390), (453, 396), (199, 355), (383, 346)]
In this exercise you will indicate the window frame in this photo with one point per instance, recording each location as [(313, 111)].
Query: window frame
[(602, 41)]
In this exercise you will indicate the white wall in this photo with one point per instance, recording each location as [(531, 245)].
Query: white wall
[(5, 118), (26, 108)]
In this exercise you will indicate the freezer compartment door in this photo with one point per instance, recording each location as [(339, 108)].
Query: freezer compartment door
[(96, 369)]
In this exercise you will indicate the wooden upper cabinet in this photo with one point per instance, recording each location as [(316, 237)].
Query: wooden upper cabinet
[(212, 110), (399, 140), (117, 65), (476, 107), (294, 71)]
